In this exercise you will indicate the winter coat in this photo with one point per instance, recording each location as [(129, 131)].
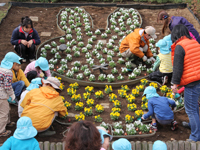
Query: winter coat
[(133, 41), (18, 35), (41, 104)]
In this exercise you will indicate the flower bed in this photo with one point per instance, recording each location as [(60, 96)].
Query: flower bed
[(91, 103), (83, 41)]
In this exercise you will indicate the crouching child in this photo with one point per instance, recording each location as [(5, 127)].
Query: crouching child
[(159, 109)]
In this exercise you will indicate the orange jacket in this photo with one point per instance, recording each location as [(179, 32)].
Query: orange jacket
[(133, 41), (41, 104), (191, 66)]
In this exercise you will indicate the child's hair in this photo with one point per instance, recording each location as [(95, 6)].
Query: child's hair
[(163, 15), (25, 21), (82, 135)]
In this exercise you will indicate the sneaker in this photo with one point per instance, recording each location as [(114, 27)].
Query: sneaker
[(164, 80), (46, 133), (5, 133), (153, 127), (174, 125), (185, 124), (23, 60), (31, 60)]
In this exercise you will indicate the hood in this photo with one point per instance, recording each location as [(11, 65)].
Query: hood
[(49, 92)]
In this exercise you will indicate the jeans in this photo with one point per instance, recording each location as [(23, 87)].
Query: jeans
[(18, 87), (163, 122), (191, 95)]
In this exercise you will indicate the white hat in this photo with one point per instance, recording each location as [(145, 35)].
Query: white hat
[(151, 31), (53, 81)]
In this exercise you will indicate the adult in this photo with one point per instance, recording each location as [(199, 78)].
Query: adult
[(82, 135), (171, 21), (35, 83), (186, 72), (37, 68), (43, 104), (136, 44), (25, 38)]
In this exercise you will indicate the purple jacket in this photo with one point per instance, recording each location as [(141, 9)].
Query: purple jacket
[(181, 20)]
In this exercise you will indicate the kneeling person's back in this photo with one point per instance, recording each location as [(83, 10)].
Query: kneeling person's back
[(41, 105)]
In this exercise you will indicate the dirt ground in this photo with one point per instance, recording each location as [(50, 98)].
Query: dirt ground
[(47, 23)]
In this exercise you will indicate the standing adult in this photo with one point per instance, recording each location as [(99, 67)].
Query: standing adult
[(136, 44), (25, 38), (171, 21), (186, 72)]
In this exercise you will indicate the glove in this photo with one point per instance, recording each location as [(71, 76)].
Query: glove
[(41, 74), (12, 97), (144, 58), (152, 59)]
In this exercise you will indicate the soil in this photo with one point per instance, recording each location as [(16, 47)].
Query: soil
[(47, 23)]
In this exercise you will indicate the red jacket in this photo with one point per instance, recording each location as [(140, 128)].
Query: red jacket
[(191, 68)]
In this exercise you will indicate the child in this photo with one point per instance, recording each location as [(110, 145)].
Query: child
[(121, 144), (38, 68), (105, 138), (164, 60), (159, 145), (19, 80), (34, 84), (25, 38), (6, 90), (159, 109), (23, 137)]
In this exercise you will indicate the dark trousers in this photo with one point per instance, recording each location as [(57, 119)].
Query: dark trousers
[(157, 76), (31, 75), (25, 52)]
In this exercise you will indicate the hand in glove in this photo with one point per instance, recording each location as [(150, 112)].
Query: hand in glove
[(144, 58), (152, 59), (41, 74)]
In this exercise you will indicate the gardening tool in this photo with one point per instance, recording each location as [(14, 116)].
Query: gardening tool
[(100, 67)]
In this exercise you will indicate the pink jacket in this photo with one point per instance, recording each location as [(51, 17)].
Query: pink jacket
[(31, 67)]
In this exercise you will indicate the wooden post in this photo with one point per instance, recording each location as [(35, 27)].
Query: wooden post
[(198, 145), (144, 145), (138, 145), (52, 146), (59, 146), (169, 145), (187, 145), (193, 146), (46, 145), (41, 144), (150, 145), (175, 145), (133, 145), (181, 145)]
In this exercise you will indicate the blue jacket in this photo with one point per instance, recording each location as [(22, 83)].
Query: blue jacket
[(160, 107), (16, 144), (18, 35), (181, 20)]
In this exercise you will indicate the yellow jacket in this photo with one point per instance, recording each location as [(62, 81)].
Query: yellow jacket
[(41, 104), (20, 77), (133, 41)]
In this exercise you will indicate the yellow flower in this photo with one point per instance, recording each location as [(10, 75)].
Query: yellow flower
[(89, 89), (155, 85)]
